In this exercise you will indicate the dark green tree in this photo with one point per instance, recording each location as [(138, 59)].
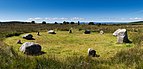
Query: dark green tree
[(56, 23), (72, 23), (78, 22), (98, 24), (33, 22), (44, 22), (65, 22), (91, 23)]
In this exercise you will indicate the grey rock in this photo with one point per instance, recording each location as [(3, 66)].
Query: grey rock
[(122, 36), (70, 31), (30, 48), (91, 52), (101, 32), (51, 32), (28, 36), (87, 32), (38, 33), (19, 42)]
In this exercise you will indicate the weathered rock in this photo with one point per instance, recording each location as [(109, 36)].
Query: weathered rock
[(70, 31), (101, 32), (87, 32), (122, 36), (28, 36), (116, 33), (30, 48), (51, 32), (38, 33), (19, 42), (91, 52)]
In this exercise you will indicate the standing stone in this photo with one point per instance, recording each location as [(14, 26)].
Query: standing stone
[(101, 32), (70, 31), (122, 36), (38, 33)]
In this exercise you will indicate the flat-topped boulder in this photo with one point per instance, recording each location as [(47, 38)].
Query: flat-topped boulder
[(28, 36), (51, 32), (87, 32), (30, 48)]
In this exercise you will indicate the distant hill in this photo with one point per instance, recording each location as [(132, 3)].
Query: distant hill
[(105, 22), (138, 22), (15, 22)]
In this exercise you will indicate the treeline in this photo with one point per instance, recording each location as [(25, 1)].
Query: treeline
[(77, 23), (61, 23), (16, 22)]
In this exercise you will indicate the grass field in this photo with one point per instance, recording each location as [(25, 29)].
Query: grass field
[(69, 51), (63, 46)]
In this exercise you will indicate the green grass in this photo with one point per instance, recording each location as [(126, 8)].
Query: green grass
[(69, 50), (65, 44)]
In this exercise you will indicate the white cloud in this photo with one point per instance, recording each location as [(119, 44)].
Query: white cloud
[(38, 18), (136, 19), (77, 18)]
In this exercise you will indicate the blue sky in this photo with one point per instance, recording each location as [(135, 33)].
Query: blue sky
[(71, 10)]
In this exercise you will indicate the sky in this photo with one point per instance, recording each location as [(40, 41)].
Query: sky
[(71, 10)]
